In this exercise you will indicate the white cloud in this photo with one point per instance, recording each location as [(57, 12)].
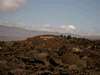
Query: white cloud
[(68, 28), (45, 27), (59, 28), (10, 5), (72, 27), (55, 28)]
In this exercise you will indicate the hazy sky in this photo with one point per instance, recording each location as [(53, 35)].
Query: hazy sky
[(53, 15)]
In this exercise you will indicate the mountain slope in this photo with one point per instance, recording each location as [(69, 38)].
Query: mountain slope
[(14, 33)]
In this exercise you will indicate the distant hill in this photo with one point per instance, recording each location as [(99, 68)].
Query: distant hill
[(14, 33), (8, 33)]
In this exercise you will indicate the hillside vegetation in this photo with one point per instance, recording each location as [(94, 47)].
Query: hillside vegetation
[(50, 55)]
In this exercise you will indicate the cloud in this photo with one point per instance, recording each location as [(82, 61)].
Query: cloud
[(57, 28), (68, 28), (72, 27), (10, 5), (45, 27)]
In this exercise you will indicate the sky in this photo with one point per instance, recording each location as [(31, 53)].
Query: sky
[(75, 16)]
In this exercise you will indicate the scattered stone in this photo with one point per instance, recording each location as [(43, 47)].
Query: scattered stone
[(64, 73), (76, 50), (45, 73), (0, 48), (50, 56), (53, 62), (73, 67), (32, 61), (69, 58)]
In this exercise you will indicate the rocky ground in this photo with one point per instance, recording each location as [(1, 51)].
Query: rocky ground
[(50, 55)]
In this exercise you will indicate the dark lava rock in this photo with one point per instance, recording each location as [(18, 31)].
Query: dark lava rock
[(45, 73), (50, 55), (62, 71), (53, 62), (61, 50), (36, 61), (32, 61), (9, 73)]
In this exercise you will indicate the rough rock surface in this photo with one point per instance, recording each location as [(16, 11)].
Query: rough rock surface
[(50, 55)]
